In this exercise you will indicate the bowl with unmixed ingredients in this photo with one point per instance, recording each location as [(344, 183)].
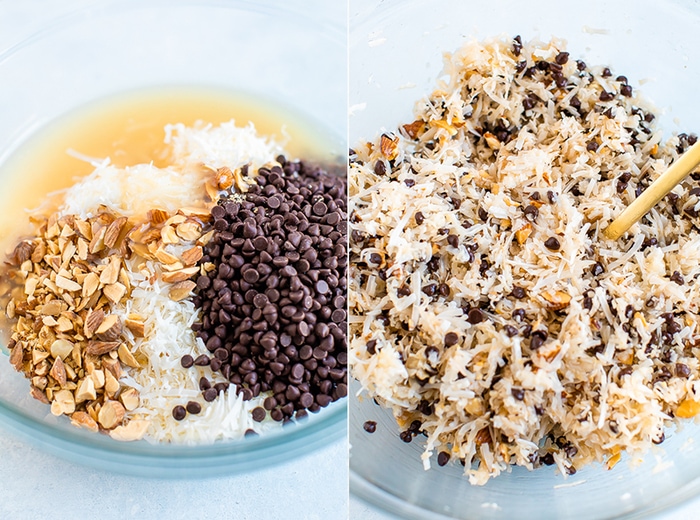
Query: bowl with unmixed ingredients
[(95, 80), (396, 58)]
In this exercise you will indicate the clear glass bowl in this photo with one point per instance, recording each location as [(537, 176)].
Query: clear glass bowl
[(395, 55), (79, 51)]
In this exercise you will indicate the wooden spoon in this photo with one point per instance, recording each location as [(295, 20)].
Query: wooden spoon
[(655, 192)]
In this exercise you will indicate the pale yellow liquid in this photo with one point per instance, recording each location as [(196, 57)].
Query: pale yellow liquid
[(128, 128)]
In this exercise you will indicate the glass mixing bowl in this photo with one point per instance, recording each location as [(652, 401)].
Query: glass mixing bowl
[(78, 51), (395, 55)]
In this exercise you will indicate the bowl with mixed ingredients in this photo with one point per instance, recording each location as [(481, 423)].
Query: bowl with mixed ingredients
[(173, 269), (507, 360)]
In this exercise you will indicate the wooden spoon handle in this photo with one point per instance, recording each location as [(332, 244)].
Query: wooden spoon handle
[(654, 193)]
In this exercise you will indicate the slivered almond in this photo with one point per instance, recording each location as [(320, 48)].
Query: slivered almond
[(181, 290), (97, 243), (114, 292), (110, 274), (38, 395), (192, 256), (52, 308), (522, 234), (111, 384), (157, 216), (17, 357), (137, 327), (110, 329), (83, 420), (126, 357), (66, 284), (134, 430), (98, 348), (85, 391), (191, 211), (205, 238), (129, 398), (190, 231), (175, 220), (414, 129), (181, 275), (492, 141), (90, 285), (93, 321), (61, 348), (224, 178), (58, 372), (166, 257), (389, 146), (111, 414), (64, 324), (113, 232), (168, 235), (84, 229), (557, 299)]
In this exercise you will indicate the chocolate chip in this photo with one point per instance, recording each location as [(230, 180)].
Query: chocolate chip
[(552, 243), (606, 72), (677, 277), (179, 412), (511, 331), (475, 316), (518, 292), (597, 269), (186, 361), (518, 315), (562, 58), (606, 96), (451, 338), (518, 393), (194, 407), (531, 213), (453, 240), (258, 414), (380, 167), (419, 218), (682, 370), (626, 90), (370, 426), (443, 458)]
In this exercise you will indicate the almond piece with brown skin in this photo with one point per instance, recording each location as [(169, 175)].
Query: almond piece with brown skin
[(181, 290), (99, 348), (111, 414), (83, 420), (110, 329), (58, 372)]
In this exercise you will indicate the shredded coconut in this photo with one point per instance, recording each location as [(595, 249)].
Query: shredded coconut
[(485, 302)]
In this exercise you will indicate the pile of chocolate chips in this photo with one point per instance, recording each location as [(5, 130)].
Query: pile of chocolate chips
[(274, 308)]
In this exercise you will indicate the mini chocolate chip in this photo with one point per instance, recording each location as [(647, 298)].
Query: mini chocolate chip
[(420, 218), (562, 58), (518, 292), (210, 394), (626, 90), (606, 72), (453, 240), (511, 331), (682, 370), (552, 243), (475, 316), (518, 315), (194, 407), (451, 338), (597, 269), (406, 436), (443, 458), (531, 213), (179, 412), (380, 167), (370, 426), (606, 96), (592, 146), (186, 361), (518, 393), (677, 277), (258, 414)]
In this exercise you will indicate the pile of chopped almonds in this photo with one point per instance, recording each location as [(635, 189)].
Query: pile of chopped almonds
[(69, 285)]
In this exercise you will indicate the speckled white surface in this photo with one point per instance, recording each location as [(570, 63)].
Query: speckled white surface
[(37, 485)]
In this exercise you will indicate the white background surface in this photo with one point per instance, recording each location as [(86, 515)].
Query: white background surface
[(35, 485)]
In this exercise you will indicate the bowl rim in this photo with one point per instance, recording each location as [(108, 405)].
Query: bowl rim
[(176, 460)]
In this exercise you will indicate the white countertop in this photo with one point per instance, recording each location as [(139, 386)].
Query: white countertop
[(38, 485)]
